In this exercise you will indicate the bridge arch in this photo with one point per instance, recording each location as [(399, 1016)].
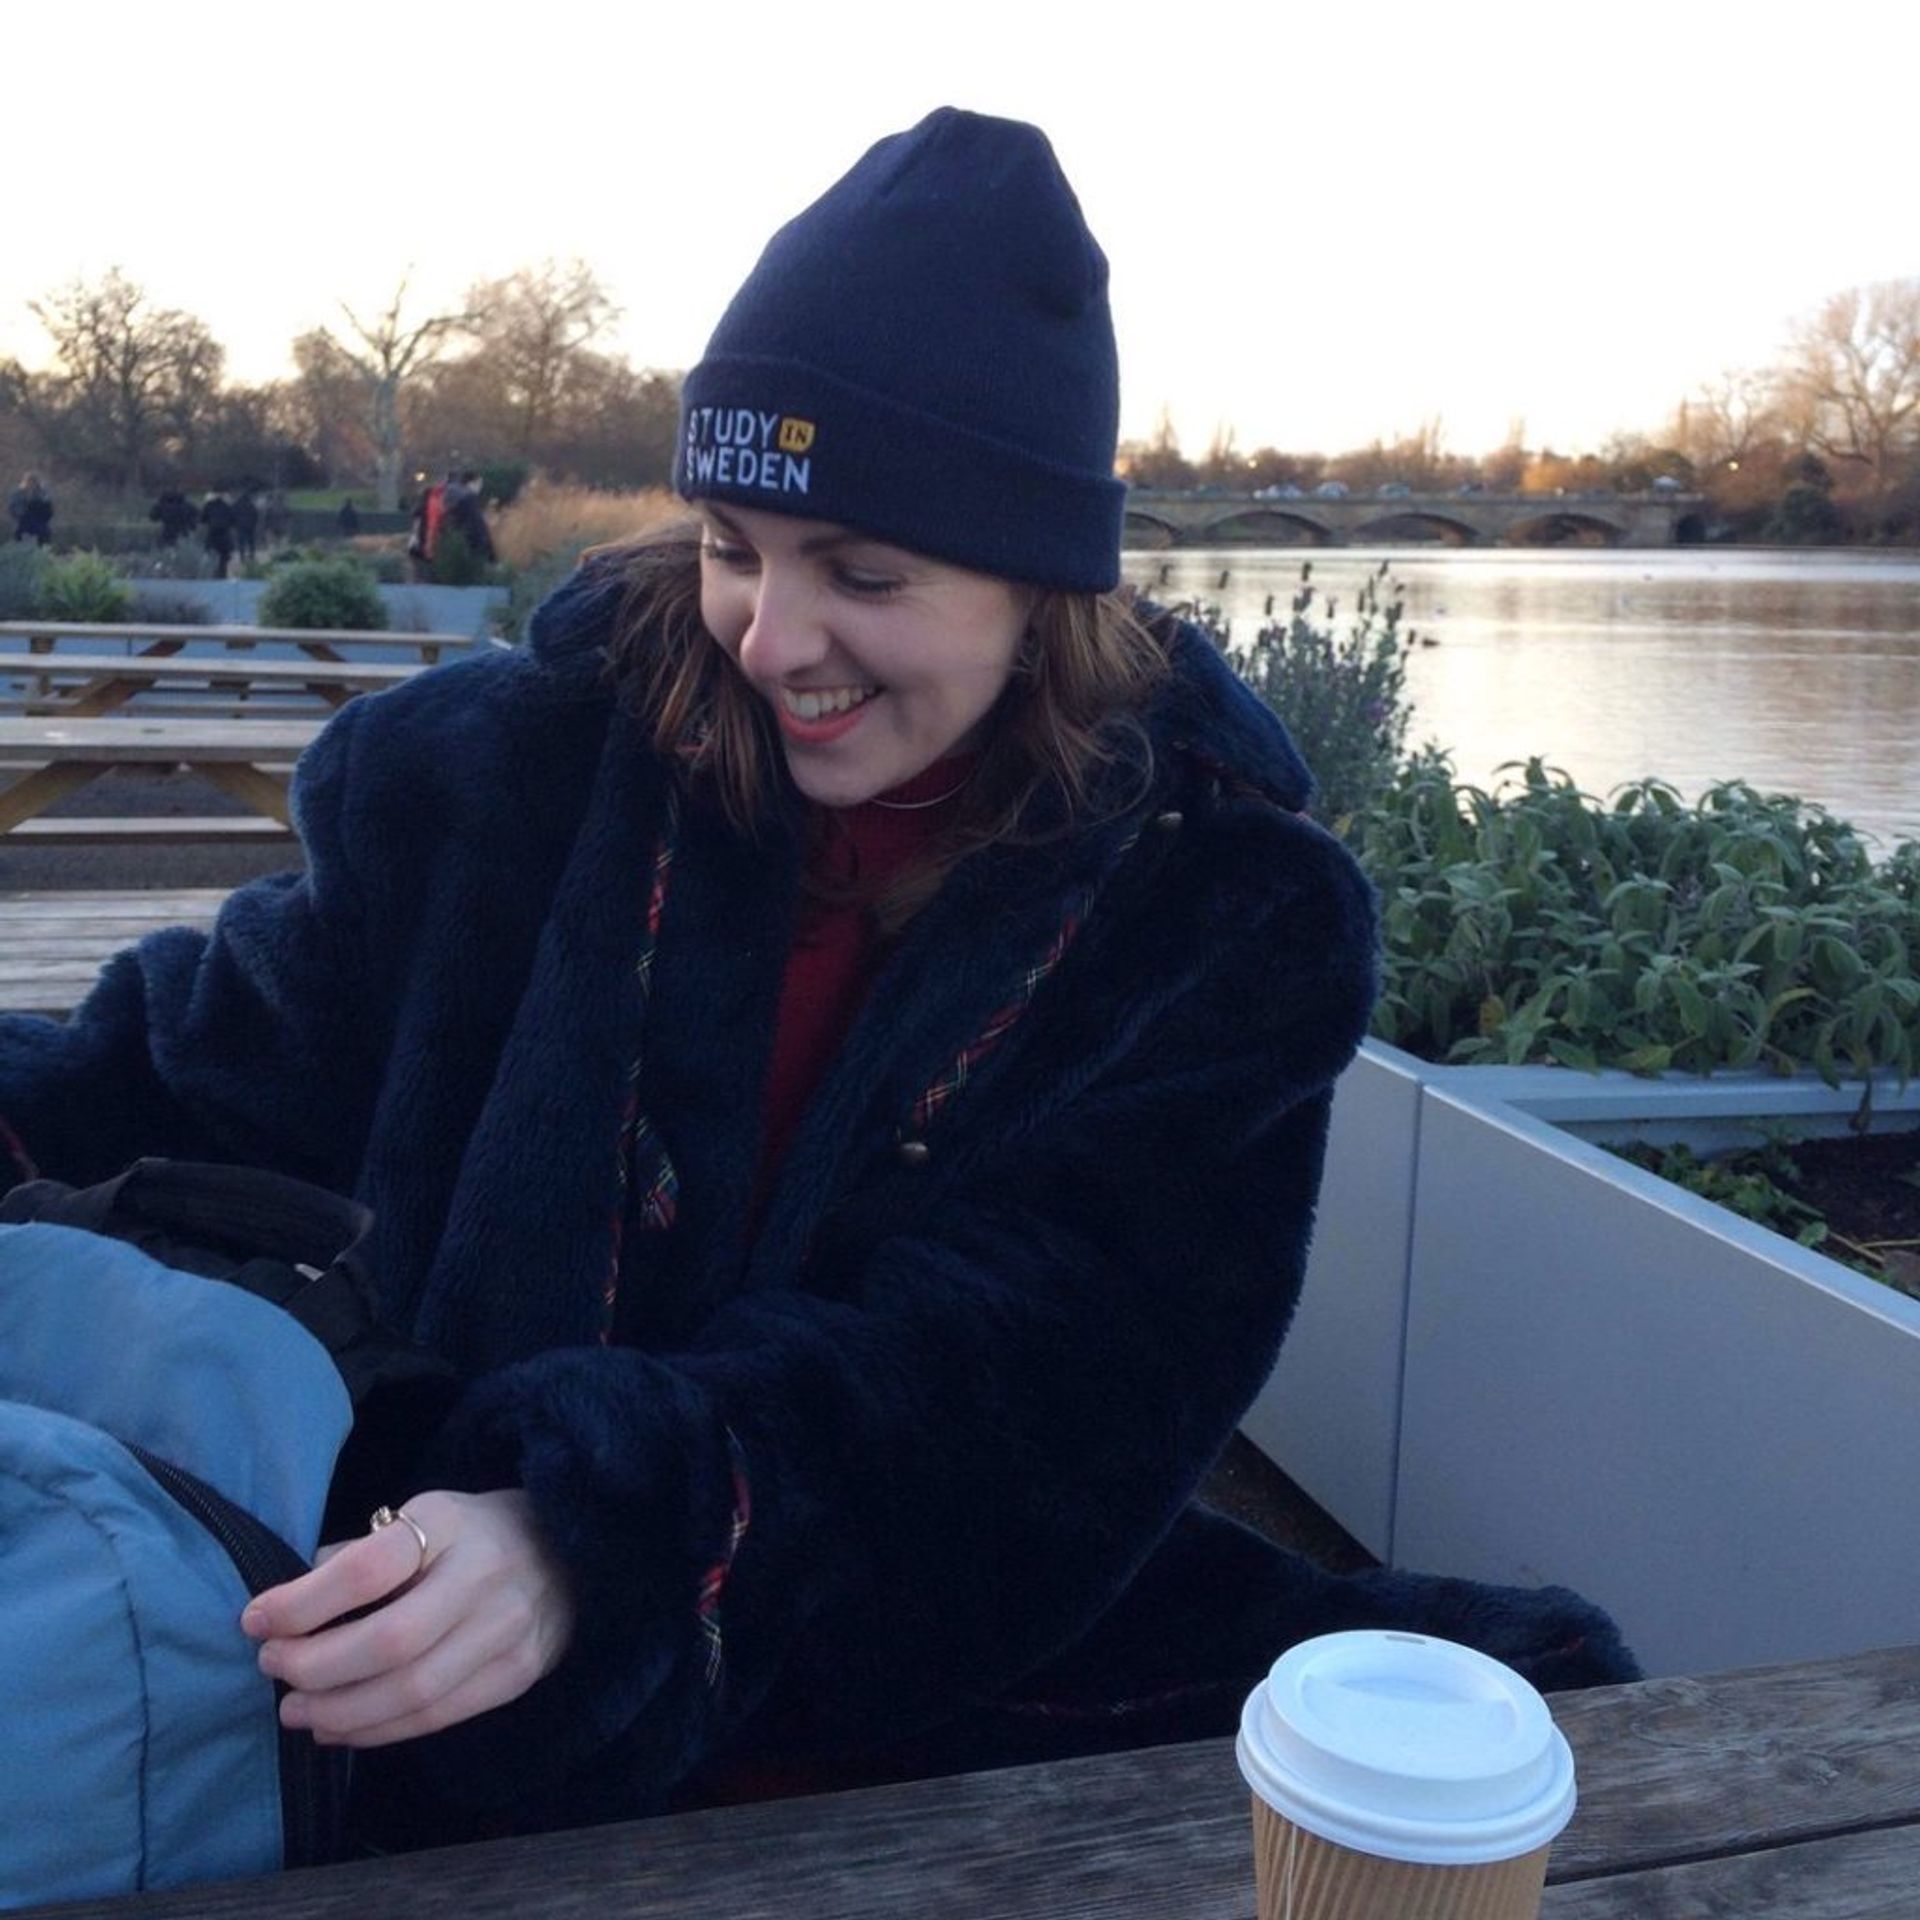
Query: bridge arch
[(1273, 526), (1140, 529), (1564, 527), (1421, 524)]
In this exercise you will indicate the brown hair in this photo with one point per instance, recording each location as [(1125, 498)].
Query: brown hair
[(1069, 713)]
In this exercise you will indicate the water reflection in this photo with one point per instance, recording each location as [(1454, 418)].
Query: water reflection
[(1798, 672)]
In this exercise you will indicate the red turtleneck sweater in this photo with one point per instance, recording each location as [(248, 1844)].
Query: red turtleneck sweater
[(837, 949)]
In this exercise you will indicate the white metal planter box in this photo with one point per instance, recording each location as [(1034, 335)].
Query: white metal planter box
[(1603, 1380)]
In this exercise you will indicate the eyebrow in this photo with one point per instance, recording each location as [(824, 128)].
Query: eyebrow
[(813, 544)]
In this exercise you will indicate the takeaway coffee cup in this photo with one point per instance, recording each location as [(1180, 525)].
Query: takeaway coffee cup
[(1399, 1777)]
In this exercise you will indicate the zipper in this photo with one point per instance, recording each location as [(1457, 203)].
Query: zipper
[(313, 1779)]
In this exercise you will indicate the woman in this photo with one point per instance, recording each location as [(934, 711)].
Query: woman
[(836, 1034)]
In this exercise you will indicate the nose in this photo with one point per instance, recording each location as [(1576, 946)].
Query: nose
[(785, 633)]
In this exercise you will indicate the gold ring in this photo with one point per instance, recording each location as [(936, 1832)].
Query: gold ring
[(389, 1516)]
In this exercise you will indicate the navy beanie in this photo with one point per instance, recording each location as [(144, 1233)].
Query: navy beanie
[(925, 354)]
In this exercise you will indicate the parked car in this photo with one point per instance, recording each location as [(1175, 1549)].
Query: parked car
[(1394, 490), (1330, 490)]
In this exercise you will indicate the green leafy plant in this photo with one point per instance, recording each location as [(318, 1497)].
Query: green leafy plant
[(455, 563), (1537, 923), (23, 569), (323, 593), (1342, 695), (83, 586)]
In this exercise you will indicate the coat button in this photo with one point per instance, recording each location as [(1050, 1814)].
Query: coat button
[(915, 1153), (1170, 821)]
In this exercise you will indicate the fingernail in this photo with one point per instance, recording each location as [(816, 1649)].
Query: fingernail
[(254, 1620)]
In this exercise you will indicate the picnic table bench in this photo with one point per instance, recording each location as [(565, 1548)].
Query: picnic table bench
[(1791, 1790), (319, 643), (248, 759), (77, 685)]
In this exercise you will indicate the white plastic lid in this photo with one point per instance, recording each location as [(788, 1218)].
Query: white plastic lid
[(1407, 1747)]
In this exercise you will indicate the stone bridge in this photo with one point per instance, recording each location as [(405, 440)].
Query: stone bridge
[(1207, 519)]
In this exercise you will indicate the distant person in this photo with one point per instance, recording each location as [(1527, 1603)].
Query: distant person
[(216, 523), (467, 517), (348, 519), (428, 517), (246, 523), (276, 518), (173, 513), (31, 507)]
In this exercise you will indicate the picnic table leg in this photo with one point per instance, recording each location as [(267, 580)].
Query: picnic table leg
[(102, 696), (263, 792), (35, 792)]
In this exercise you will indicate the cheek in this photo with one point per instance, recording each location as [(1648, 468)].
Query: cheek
[(725, 610)]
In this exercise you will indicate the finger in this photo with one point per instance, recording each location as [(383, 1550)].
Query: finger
[(383, 1641), (362, 1572), (425, 1693)]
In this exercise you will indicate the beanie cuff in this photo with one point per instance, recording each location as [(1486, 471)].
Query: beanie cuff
[(785, 437)]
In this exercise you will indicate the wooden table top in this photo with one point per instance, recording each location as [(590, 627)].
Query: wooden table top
[(125, 739), (1753, 1796), (264, 669), (430, 644)]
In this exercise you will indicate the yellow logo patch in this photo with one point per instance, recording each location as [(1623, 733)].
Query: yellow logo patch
[(796, 436)]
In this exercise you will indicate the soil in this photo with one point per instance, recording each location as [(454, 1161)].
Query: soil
[(1867, 1188)]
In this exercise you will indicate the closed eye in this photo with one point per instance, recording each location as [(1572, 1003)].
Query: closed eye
[(864, 585), (724, 553)]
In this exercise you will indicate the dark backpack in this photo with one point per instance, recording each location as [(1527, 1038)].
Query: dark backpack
[(189, 1366)]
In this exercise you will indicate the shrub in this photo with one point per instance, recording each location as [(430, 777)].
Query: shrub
[(323, 593), (23, 570), (168, 607), (1342, 696), (1540, 924), (548, 519), (455, 563), (83, 586)]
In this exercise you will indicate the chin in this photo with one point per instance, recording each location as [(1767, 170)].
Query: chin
[(824, 788)]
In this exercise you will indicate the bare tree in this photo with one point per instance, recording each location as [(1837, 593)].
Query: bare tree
[(1853, 381), (531, 331), (1729, 420), (390, 350), (131, 382)]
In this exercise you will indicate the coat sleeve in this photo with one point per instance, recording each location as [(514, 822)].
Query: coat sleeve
[(254, 1043), (953, 1444)]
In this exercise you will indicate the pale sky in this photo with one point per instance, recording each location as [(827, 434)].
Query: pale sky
[(1327, 223)]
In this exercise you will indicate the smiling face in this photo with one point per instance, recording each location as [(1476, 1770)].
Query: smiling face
[(876, 662)]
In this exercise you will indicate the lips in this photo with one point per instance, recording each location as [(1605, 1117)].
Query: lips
[(815, 715)]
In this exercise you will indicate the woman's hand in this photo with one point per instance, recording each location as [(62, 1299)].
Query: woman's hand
[(469, 1625)]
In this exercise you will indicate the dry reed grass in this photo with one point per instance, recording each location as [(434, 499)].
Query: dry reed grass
[(551, 517)]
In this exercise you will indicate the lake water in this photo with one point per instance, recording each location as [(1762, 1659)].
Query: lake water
[(1798, 672)]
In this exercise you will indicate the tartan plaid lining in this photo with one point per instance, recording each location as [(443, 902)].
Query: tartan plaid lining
[(642, 1165), (927, 1108), (713, 1582)]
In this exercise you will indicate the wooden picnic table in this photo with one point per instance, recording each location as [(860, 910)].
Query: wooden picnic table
[(1785, 1791), (329, 643), (244, 758), (79, 684)]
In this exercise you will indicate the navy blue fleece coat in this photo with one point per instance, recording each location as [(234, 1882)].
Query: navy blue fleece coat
[(970, 1384)]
